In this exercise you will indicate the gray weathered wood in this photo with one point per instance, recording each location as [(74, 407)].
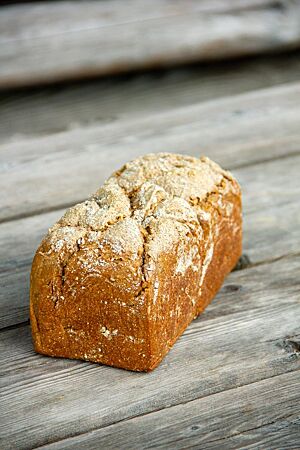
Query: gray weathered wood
[(261, 415), (48, 41), (271, 230), (53, 109), (234, 373), (66, 167), (243, 337)]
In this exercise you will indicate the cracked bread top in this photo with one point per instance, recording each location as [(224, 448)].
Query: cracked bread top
[(156, 191)]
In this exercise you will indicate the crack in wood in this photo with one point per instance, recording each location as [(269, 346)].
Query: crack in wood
[(39, 212), (264, 161), (13, 327), (232, 435), (272, 260)]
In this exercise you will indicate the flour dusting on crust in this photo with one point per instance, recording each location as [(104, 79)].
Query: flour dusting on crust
[(159, 199)]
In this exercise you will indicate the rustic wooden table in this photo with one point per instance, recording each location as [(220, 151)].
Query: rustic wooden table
[(232, 380)]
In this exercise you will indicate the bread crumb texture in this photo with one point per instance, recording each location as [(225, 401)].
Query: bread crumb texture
[(140, 247)]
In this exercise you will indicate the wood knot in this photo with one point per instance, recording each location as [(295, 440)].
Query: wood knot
[(291, 345), (231, 288)]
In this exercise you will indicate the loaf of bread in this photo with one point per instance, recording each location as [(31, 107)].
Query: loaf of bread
[(120, 276)]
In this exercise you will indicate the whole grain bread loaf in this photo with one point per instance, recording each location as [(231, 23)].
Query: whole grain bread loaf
[(120, 276)]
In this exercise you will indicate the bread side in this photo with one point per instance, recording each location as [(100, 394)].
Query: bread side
[(120, 276)]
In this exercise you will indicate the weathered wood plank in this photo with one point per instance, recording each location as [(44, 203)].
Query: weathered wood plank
[(48, 42), (243, 337), (260, 415), (271, 230), (45, 173), (56, 109)]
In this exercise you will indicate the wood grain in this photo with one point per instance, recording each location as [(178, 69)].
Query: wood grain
[(231, 381), (271, 230), (245, 336), (61, 108), (261, 415), (46, 42), (65, 168)]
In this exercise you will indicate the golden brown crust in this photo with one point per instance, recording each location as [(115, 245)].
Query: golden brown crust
[(120, 276)]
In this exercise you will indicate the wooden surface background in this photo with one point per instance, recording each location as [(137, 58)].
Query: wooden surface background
[(232, 380), (52, 41)]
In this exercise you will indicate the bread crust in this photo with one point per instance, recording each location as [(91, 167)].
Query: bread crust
[(118, 279)]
